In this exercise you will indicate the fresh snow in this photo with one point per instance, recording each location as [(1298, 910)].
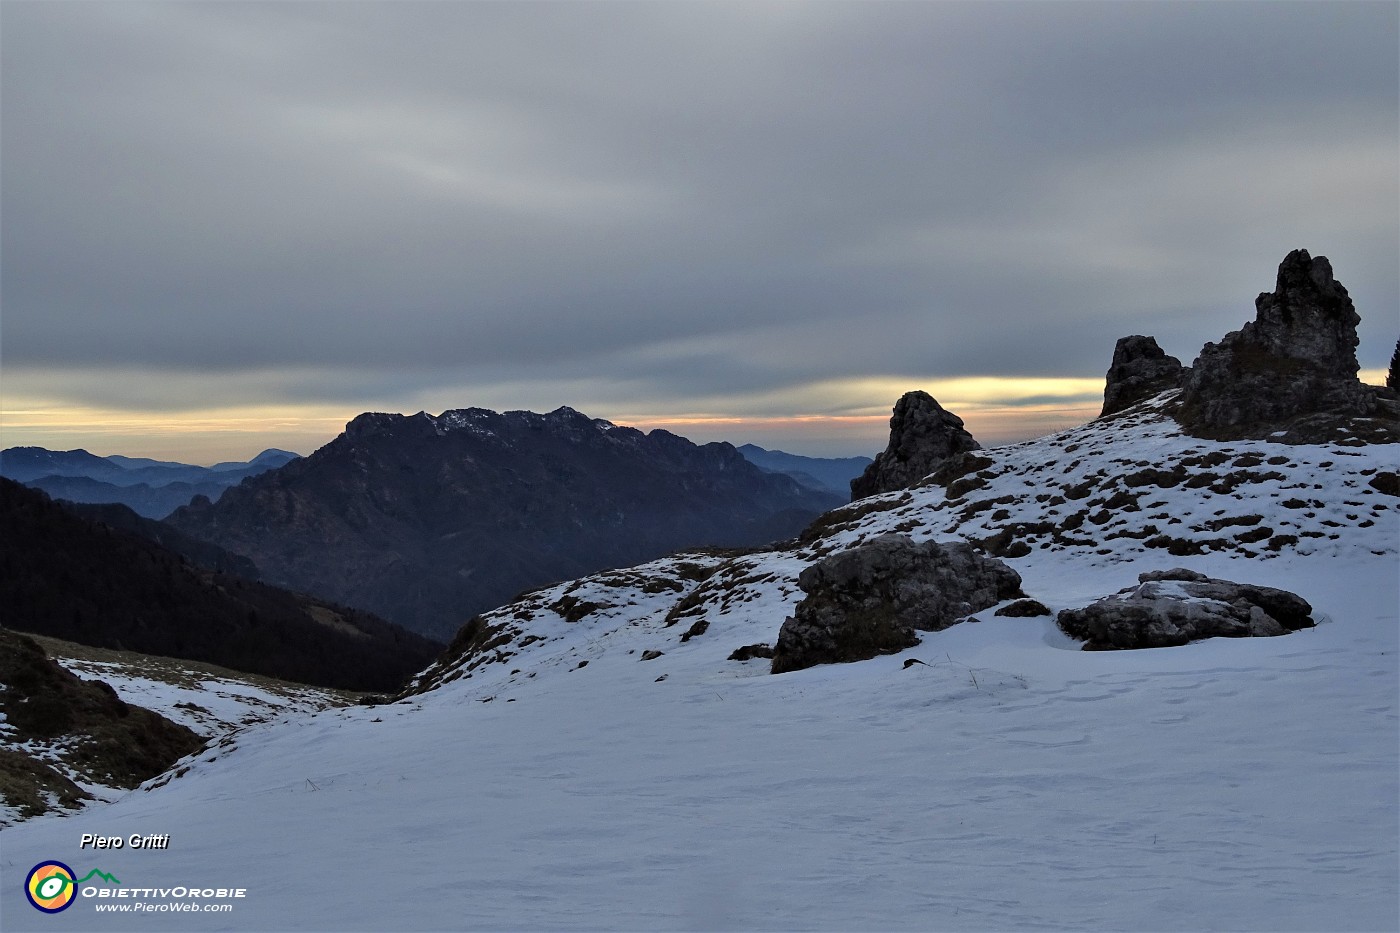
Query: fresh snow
[(1009, 781)]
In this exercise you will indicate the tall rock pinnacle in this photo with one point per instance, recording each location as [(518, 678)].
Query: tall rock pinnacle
[(1291, 372), (922, 435)]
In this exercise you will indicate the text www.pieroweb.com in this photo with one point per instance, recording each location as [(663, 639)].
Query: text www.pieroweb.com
[(182, 900)]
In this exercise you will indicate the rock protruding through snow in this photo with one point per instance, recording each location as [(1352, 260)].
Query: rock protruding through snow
[(922, 435), (870, 599), (1140, 370), (1291, 373), (1173, 607)]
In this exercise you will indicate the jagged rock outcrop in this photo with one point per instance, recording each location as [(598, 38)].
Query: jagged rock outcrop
[(1290, 374), (871, 599), (1140, 370), (922, 435), (1173, 607)]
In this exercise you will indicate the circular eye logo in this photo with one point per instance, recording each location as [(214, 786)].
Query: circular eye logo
[(50, 887)]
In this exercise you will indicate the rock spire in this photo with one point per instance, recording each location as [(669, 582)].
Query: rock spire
[(1291, 373), (922, 435)]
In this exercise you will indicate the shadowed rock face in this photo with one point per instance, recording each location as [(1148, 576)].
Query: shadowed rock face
[(1140, 370), (1291, 372), (869, 600), (1173, 607), (922, 435)]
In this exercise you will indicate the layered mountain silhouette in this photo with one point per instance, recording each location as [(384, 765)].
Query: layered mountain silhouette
[(68, 576), (152, 488), (427, 519), (828, 474)]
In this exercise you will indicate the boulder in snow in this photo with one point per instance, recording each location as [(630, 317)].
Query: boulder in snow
[(1173, 607), (870, 599)]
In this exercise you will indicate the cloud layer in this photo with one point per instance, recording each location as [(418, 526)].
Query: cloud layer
[(668, 208)]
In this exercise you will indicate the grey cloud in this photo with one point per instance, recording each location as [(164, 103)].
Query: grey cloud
[(680, 198)]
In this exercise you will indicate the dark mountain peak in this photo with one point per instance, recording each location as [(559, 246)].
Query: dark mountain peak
[(275, 455), (371, 423), (428, 519)]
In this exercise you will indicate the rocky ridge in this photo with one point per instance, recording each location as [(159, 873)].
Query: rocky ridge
[(428, 519), (1291, 373)]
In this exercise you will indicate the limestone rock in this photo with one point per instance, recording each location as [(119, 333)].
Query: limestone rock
[(1140, 370), (922, 435), (870, 599), (1290, 374), (1174, 607)]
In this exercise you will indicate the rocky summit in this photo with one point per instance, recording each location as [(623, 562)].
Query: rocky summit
[(1140, 370), (1291, 373), (428, 519), (922, 436)]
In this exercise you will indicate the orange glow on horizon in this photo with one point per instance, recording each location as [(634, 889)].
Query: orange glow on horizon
[(855, 419)]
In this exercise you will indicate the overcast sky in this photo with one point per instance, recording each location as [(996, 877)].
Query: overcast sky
[(230, 224)]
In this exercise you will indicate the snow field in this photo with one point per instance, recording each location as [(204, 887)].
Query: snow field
[(1010, 781)]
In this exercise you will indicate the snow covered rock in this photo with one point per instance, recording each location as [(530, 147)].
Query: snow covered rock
[(1173, 607), (1140, 370), (922, 436), (870, 599)]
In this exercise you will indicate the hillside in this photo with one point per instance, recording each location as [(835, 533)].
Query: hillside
[(65, 575), (70, 741), (426, 519), (994, 776)]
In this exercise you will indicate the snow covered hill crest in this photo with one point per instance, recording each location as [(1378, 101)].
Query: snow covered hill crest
[(1131, 492)]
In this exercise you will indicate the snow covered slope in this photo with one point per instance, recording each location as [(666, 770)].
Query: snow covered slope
[(207, 699), (594, 760), (211, 701)]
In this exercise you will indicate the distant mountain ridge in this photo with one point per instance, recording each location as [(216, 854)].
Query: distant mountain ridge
[(428, 519), (832, 474), (152, 488)]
